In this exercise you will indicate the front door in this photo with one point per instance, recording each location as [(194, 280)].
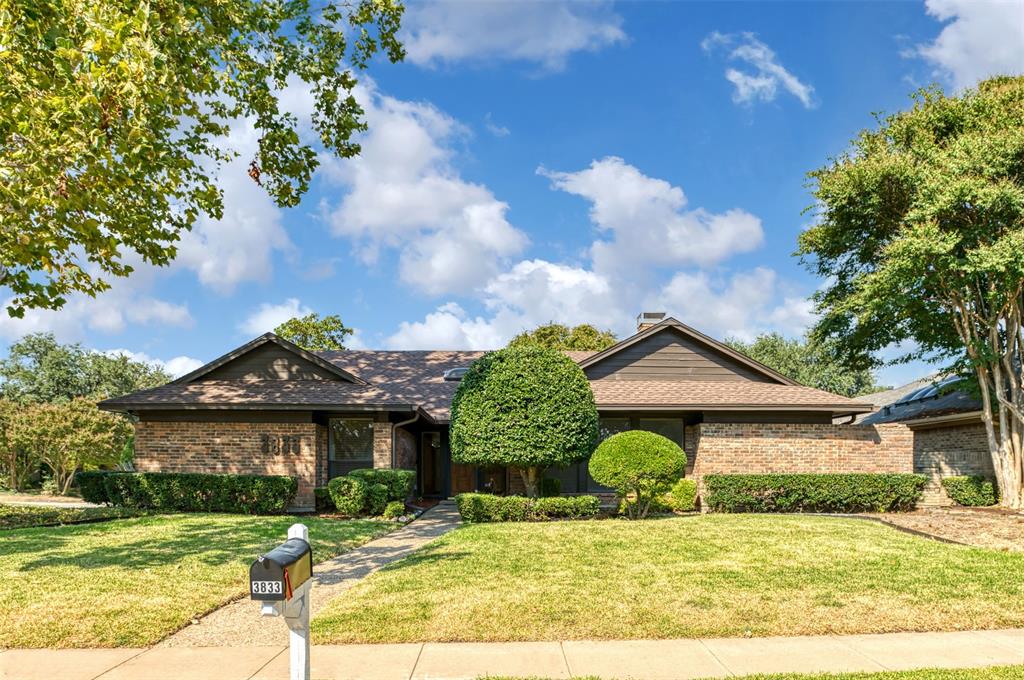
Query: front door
[(431, 476)]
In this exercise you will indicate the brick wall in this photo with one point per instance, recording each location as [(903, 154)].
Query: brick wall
[(949, 451), (740, 448), (292, 449), (382, 444)]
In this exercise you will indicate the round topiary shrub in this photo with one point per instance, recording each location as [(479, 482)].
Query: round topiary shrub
[(524, 407), (640, 466), (350, 495), (683, 496)]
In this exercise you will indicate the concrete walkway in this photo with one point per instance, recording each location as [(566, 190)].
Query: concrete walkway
[(239, 624), (641, 659)]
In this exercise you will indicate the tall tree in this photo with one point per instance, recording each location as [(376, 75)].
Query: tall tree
[(560, 336), (39, 369), (314, 332), (809, 363), (114, 117), (920, 242)]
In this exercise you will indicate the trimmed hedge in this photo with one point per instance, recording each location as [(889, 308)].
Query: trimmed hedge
[(485, 507), (812, 492), (399, 482), (972, 490), (22, 517), (367, 491), (324, 502), (193, 492), (683, 496), (394, 510), (92, 486)]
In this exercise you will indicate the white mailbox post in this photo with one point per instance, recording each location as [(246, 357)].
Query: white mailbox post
[(281, 580)]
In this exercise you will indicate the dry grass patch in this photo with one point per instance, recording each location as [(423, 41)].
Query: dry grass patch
[(708, 576), (131, 582)]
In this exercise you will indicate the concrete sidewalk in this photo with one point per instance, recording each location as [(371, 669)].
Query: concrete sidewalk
[(641, 659)]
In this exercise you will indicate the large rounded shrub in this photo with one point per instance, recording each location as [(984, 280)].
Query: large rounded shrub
[(525, 407), (639, 465)]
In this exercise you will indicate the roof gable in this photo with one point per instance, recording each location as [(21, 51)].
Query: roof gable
[(673, 350), (270, 357)]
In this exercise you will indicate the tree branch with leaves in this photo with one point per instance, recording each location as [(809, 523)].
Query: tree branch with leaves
[(114, 118)]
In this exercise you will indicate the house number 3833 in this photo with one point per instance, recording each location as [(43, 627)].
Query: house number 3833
[(281, 443)]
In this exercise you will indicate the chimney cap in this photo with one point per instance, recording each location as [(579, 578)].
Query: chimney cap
[(648, 319)]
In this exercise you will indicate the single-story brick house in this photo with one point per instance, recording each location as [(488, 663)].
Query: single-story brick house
[(270, 407), (949, 436)]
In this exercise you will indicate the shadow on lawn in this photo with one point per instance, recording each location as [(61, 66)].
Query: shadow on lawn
[(210, 544)]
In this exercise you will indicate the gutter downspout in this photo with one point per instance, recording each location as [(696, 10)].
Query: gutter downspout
[(394, 439)]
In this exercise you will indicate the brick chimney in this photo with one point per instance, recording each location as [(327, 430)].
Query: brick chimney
[(647, 319)]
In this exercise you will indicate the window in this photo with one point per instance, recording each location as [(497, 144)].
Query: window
[(350, 446), (670, 428)]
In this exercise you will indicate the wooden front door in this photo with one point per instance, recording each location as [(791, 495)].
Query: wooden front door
[(463, 478)]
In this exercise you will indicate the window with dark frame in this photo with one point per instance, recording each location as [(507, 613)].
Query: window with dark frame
[(350, 446)]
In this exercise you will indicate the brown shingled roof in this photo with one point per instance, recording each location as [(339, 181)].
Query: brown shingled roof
[(718, 395), (410, 380)]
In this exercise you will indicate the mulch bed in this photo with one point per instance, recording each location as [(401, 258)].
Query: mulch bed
[(981, 527)]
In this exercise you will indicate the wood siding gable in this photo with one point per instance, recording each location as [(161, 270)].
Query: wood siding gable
[(269, 357), (672, 351)]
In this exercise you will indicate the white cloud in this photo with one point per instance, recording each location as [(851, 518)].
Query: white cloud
[(545, 33), (653, 237), (268, 316), (980, 39), (238, 247), (405, 193), (176, 366), (741, 305), (649, 222), (128, 301), (768, 74)]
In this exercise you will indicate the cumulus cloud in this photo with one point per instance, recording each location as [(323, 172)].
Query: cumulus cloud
[(128, 301), (660, 255), (494, 128), (980, 39), (762, 75), (175, 366), (544, 33), (269, 316), (740, 305), (405, 193), (649, 222)]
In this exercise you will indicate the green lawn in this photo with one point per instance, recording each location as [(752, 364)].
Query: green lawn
[(131, 582), (22, 516), (702, 576)]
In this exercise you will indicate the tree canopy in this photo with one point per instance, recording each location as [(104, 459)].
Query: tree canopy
[(314, 332), (39, 369), (919, 239), (114, 118), (525, 407), (809, 363), (562, 337)]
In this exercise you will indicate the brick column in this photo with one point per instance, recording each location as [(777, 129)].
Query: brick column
[(382, 433)]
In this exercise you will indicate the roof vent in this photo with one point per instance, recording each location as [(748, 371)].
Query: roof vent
[(647, 319), (455, 374)]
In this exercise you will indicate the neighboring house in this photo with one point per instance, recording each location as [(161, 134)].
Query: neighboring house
[(270, 407), (949, 436)]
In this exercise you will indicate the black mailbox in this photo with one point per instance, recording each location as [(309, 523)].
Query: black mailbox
[(281, 571)]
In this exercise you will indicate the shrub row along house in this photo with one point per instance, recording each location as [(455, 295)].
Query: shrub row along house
[(270, 407)]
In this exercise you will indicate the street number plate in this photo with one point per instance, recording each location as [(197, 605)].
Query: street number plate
[(266, 587)]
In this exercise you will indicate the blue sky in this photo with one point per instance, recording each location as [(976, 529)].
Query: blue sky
[(568, 161)]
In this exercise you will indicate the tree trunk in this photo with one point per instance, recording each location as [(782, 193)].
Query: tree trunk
[(531, 480)]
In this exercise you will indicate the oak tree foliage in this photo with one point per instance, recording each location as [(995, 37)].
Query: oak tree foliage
[(114, 117)]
